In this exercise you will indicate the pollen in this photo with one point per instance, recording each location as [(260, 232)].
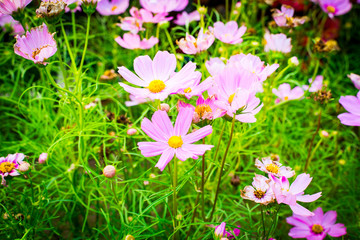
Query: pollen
[(156, 86), (272, 168), (259, 194), (187, 90), (317, 228), (113, 8), (330, 9), (286, 98), (7, 167), (231, 98), (175, 142), (202, 109)]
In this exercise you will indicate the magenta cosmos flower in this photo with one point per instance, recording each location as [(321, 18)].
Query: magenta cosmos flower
[(277, 43), (291, 194), (285, 93), (10, 165), (355, 79), (352, 105), (173, 141), (316, 227), (160, 6), (270, 166), (260, 191), (133, 41), (37, 45), (157, 77), (185, 18), (112, 7), (191, 45), (229, 32), (335, 7), (10, 7), (220, 232)]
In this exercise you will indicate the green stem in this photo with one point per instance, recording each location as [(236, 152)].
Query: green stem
[(174, 196), (312, 142), (263, 221), (193, 216), (74, 29), (202, 185), (86, 44), (222, 167), (68, 46), (172, 46)]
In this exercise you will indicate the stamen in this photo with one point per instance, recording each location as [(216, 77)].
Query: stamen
[(202, 109), (231, 98), (187, 90), (113, 8), (259, 194), (330, 9), (175, 142), (7, 167), (156, 86), (316, 228), (272, 168)]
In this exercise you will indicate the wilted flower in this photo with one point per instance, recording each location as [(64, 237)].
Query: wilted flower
[(171, 140), (9, 166), (229, 32), (160, 80), (317, 226), (109, 171), (285, 93), (284, 18), (12, 7), (50, 9), (37, 45), (325, 46), (112, 7), (352, 105), (109, 75), (160, 6), (291, 194), (186, 18), (277, 42), (260, 191), (191, 45), (89, 6), (43, 157), (355, 79), (133, 41), (274, 167), (335, 7)]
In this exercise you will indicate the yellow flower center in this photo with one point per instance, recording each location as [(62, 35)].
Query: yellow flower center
[(316, 228), (113, 8), (272, 168), (286, 98), (203, 108), (231, 98), (156, 86), (330, 9), (259, 194), (7, 167), (175, 142), (187, 90)]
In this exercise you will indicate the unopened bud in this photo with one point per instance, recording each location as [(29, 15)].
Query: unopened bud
[(42, 158), (129, 237), (324, 134), (109, 171), (24, 167), (165, 107), (202, 10), (131, 131), (293, 61)]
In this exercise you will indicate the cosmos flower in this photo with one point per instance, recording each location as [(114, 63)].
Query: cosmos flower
[(148, 17), (352, 105), (285, 93), (195, 88), (191, 45), (260, 191), (75, 5), (173, 141), (132, 24), (229, 32), (186, 18), (112, 7), (133, 41), (157, 77), (50, 9), (355, 79), (215, 66), (315, 85), (277, 42), (284, 18), (7, 20), (37, 45), (135, 101), (10, 165), (10, 7), (291, 194), (270, 166), (161, 6), (335, 7), (317, 226), (220, 231)]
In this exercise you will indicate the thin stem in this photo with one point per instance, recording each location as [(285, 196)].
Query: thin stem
[(74, 29), (227, 9), (312, 142), (68, 46), (274, 223), (193, 216), (222, 167), (172, 46), (202, 185), (86, 44), (263, 221), (174, 196)]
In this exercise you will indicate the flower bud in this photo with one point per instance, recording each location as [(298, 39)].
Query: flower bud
[(164, 24), (238, 5), (165, 107), (24, 167), (324, 134), (293, 61), (89, 6), (131, 131), (220, 230), (202, 10), (42, 158), (109, 171), (129, 237), (342, 162)]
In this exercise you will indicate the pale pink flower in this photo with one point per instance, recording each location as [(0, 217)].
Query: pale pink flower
[(290, 195), (135, 101), (171, 140), (185, 18), (9, 166), (284, 18), (10, 7), (161, 6), (269, 166), (43, 158), (37, 45), (109, 171), (260, 191), (7, 20), (112, 7), (148, 17), (352, 105), (191, 45), (132, 24), (24, 167), (316, 227), (335, 7), (157, 77), (195, 88), (277, 42), (229, 32), (133, 41), (355, 79), (315, 85), (215, 66), (285, 93)]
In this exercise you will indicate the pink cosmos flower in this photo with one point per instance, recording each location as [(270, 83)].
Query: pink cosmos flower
[(196, 88), (112, 7), (355, 79), (37, 45), (161, 6), (315, 85), (215, 66), (10, 165), (229, 32), (133, 41), (335, 7), (135, 101), (290, 195), (74, 9), (277, 42), (157, 77), (352, 105), (284, 18), (220, 231), (191, 45), (9, 7), (185, 18), (285, 93), (7, 20), (132, 24), (274, 167), (260, 191), (171, 140), (316, 227), (147, 16)]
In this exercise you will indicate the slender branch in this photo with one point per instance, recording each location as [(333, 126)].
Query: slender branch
[(312, 142), (174, 197)]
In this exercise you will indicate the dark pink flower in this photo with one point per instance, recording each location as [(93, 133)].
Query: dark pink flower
[(10, 165), (335, 7)]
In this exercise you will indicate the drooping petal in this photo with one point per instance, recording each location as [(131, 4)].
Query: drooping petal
[(300, 210), (337, 230)]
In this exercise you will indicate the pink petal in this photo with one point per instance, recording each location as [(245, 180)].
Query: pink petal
[(164, 65), (337, 230), (131, 77), (150, 149), (297, 232), (300, 210), (153, 131), (165, 158), (349, 119), (308, 198), (161, 120), (301, 183), (198, 134), (183, 121), (351, 104), (143, 68), (329, 219)]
